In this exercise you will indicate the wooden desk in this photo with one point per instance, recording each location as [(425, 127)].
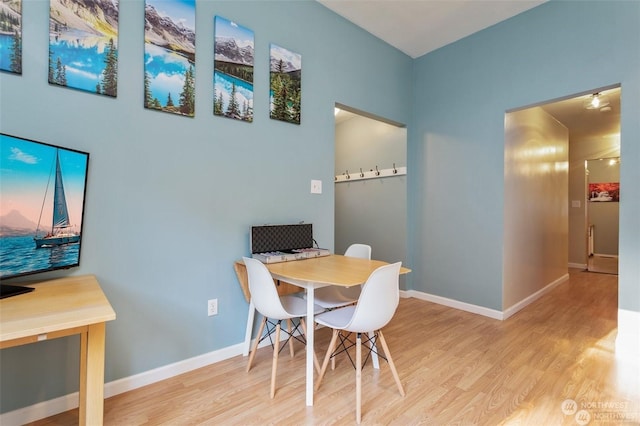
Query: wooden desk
[(59, 308), (315, 273)]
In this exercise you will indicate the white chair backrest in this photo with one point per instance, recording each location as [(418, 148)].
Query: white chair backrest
[(378, 301), (263, 291), (359, 250)]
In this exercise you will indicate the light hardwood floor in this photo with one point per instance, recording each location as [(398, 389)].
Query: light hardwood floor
[(603, 264), (456, 368)]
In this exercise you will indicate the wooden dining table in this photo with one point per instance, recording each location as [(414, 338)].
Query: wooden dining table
[(313, 273)]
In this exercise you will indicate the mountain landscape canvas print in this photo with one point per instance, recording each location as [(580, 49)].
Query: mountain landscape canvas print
[(83, 45), (233, 70), (285, 85), (170, 56), (11, 36)]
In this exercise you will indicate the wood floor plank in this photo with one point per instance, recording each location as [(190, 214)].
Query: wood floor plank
[(456, 368)]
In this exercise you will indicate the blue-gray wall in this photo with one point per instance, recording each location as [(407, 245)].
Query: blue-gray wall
[(170, 199), (456, 137)]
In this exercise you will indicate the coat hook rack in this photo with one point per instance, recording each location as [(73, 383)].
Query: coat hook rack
[(372, 174)]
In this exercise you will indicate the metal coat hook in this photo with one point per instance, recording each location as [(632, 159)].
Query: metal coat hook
[(361, 174), (395, 171), (377, 171), (348, 177)]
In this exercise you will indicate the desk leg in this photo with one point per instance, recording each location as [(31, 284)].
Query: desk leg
[(310, 340), (248, 332), (91, 404)]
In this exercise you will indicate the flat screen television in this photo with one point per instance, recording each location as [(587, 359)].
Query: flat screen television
[(42, 198)]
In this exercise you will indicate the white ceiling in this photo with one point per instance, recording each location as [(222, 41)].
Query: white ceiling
[(417, 27)]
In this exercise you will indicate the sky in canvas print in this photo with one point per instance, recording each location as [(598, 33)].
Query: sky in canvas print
[(233, 70), (170, 56), (83, 45), (26, 170)]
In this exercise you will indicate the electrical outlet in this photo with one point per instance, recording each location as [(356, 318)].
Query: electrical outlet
[(212, 307)]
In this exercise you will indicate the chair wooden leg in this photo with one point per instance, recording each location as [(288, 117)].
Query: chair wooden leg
[(290, 329), (358, 378), (255, 344), (274, 366), (391, 364), (315, 357), (332, 344)]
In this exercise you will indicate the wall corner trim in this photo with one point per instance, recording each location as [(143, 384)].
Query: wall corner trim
[(535, 296)]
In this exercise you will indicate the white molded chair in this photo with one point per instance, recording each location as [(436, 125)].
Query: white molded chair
[(332, 297), (375, 308), (274, 308)]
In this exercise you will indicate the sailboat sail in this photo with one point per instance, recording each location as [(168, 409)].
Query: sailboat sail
[(60, 213), (59, 234)]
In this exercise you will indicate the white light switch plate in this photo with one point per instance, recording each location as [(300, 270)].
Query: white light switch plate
[(316, 187)]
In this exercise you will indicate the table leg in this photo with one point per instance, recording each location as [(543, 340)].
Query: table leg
[(91, 404), (249, 330), (310, 340)]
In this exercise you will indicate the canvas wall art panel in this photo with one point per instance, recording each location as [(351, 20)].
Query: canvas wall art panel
[(285, 84), (170, 56), (11, 36), (604, 192), (233, 70), (83, 45)]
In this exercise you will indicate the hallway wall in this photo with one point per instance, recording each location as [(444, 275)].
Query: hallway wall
[(535, 203)]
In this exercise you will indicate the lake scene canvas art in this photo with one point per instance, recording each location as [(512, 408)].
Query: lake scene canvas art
[(233, 70), (11, 36), (285, 84), (170, 56), (83, 45)]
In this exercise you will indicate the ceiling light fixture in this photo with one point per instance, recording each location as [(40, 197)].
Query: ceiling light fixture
[(597, 101)]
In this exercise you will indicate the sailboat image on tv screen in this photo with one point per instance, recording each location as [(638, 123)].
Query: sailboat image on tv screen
[(61, 232)]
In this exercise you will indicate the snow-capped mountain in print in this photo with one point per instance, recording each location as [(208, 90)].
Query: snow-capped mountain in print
[(228, 50), (98, 17), (164, 32)]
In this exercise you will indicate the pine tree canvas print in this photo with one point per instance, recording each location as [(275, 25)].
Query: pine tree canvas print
[(286, 82), (83, 45), (11, 36), (170, 56), (233, 70)]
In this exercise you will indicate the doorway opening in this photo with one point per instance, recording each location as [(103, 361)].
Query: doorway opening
[(370, 199), (594, 138), (603, 199), (546, 201)]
